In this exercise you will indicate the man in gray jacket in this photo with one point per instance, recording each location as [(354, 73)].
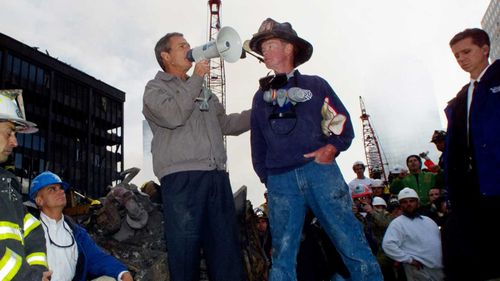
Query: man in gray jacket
[(189, 159)]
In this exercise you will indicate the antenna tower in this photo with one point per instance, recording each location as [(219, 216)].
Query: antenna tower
[(372, 147), (216, 79)]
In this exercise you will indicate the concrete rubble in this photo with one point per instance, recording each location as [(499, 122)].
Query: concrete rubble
[(129, 225)]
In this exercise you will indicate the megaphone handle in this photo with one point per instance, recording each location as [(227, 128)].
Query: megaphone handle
[(202, 68), (206, 95)]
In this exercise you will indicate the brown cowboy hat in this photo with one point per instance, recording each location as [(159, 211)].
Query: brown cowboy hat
[(272, 29)]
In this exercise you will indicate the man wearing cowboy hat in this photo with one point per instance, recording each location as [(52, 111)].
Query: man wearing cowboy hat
[(298, 127)]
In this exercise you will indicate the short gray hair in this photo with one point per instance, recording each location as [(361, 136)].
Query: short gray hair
[(163, 45)]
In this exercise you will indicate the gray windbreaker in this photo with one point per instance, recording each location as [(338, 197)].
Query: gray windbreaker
[(184, 137)]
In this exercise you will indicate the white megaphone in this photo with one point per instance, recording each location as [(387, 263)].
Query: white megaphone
[(227, 45)]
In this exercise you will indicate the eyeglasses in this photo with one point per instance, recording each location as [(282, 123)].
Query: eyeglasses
[(54, 243), (273, 82)]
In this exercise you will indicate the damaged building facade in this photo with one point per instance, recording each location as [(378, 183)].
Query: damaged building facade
[(80, 120)]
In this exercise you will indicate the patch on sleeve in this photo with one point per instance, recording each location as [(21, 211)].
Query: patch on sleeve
[(333, 122)]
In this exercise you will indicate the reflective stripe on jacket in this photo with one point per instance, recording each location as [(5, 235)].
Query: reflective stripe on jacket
[(22, 242)]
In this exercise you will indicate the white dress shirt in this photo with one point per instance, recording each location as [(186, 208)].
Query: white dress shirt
[(470, 93), (62, 261)]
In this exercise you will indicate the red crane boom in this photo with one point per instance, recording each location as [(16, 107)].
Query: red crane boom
[(372, 148)]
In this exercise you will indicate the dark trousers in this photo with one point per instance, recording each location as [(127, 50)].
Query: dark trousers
[(199, 213), (470, 236)]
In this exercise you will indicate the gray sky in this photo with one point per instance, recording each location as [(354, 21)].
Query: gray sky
[(358, 45)]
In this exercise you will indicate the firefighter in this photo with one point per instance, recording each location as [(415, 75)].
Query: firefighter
[(22, 243)]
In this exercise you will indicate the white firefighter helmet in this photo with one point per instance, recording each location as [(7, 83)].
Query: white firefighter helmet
[(13, 111)]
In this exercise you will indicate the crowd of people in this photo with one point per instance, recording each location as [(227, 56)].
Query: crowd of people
[(430, 223), (375, 207)]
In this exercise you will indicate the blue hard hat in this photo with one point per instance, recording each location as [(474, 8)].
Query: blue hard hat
[(44, 179)]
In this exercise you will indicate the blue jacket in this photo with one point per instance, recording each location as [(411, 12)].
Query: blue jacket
[(92, 260), (484, 128), (275, 151)]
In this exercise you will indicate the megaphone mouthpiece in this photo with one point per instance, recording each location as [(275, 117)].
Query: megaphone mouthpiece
[(246, 49), (189, 55)]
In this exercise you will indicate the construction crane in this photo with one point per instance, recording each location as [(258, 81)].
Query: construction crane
[(216, 79), (372, 148)]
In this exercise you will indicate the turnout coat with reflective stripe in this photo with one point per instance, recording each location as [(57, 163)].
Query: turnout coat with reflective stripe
[(22, 243)]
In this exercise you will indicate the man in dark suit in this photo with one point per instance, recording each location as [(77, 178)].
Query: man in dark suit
[(472, 162)]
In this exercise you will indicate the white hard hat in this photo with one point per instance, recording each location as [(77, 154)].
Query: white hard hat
[(407, 193), (378, 201), (358, 163), (377, 183), (10, 111), (396, 169)]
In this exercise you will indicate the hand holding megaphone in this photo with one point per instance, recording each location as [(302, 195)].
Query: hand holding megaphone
[(202, 68), (227, 45)]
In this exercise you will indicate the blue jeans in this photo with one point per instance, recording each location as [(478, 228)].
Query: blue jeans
[(322, 188), (199, 213)]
